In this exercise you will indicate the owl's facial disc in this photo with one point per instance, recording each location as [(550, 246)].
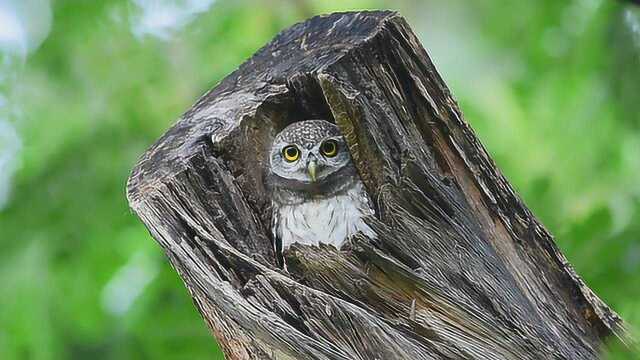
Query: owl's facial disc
[(311, 166), (310, 157)]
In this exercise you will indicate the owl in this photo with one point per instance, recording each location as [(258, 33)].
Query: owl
[(317, 195)]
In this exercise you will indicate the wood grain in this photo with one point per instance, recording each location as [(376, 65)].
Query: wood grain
[(461, 267)]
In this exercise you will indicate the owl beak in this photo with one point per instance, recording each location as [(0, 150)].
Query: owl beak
[(311, 168)]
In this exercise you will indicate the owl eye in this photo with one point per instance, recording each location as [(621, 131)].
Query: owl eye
[(290, 153), (329, 148)]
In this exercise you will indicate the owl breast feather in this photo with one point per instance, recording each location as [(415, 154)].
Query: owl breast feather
[(330, 220)]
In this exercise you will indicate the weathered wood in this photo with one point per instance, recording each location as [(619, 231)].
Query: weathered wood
[(460, 269)]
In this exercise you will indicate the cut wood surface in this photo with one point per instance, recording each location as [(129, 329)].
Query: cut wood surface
[(461, 268)]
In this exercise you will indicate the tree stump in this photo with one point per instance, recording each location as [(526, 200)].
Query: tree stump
[(460, 269)]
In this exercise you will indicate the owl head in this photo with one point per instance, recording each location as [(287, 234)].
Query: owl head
[(309, 154)]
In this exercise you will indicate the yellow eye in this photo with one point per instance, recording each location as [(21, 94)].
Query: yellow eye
[(329, 148), (290, 153)]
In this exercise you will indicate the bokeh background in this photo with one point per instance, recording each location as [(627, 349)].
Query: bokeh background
[(551, 87)]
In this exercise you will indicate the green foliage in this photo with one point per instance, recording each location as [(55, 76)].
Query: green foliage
[(551, 88)]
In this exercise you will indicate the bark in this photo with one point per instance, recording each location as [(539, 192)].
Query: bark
[(461, 267)]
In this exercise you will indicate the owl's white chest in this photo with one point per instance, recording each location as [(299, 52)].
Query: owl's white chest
[(328, 220)]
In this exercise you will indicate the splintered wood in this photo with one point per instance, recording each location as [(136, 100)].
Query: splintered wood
[(460, 268)]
